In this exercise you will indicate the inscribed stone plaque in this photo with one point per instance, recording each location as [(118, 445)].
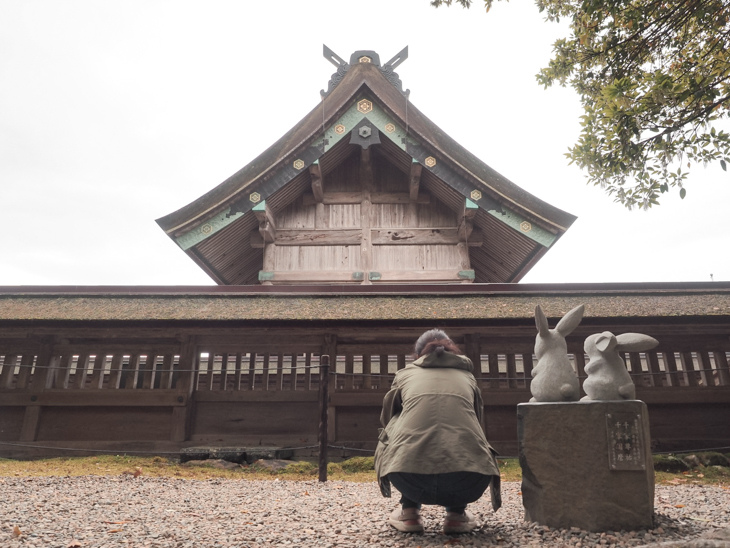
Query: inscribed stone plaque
[(625, 450)]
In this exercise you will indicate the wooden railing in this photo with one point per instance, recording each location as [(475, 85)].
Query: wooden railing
[(91, 369)]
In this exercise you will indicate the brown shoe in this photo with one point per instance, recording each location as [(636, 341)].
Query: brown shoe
[(406, 520), (456, 524)]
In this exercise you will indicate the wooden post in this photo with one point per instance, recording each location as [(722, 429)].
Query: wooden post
[(324, 369), (366, 182), (494, 371), (223, 385), (115, 374), (26, 365), (237, 382), (722, 368), (511, 371), (252, 370), (414, 179), (580, 362), (527, 365), (279, 380), (148, 379), (705, 368), (308, 371), (656, 372), (187, 383), (8, 372), (166, 374), (293, 374), (671, 366), (316, 175), (473, 352), (688, 365), (31, 420), (80, 373), (367, 379), (40, 382), (349, 372), (97, 375)]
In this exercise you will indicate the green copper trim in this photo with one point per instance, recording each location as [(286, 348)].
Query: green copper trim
[(352, 117), (265, 276), (466, 274), (207, 229), (478, 197), (358, 276)]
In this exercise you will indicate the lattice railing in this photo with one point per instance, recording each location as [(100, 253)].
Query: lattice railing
[(240, 371)]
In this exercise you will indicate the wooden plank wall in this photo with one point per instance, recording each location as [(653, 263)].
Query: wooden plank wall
[(361, 218), (249, 385)]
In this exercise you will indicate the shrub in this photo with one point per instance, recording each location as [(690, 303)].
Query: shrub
[(358, 464), (669, 463), (302, 467)]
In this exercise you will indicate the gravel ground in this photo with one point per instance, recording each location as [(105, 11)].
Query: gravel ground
[(81, 512)]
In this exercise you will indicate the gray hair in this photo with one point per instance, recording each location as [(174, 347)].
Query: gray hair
[(427, 337)]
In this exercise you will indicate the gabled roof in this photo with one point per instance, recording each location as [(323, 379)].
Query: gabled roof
[(519, 227)]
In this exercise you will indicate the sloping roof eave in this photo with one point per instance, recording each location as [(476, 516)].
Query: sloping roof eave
[(310, 127)]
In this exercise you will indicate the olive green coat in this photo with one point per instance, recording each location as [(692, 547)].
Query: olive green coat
[(432, 423)]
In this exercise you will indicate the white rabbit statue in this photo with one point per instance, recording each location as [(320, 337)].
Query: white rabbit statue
[(554, 379), (608, 378)]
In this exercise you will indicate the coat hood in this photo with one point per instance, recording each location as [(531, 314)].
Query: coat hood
[(446, 360)]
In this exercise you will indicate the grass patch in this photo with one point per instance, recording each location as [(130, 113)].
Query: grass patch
[(509, 470), (357, 469)]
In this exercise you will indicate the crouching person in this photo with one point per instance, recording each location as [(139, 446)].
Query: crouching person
[(432, 447)]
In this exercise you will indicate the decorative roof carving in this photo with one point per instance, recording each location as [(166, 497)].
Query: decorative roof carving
[(365, 56)]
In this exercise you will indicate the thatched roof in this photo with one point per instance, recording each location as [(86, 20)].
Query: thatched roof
[(438, 303)]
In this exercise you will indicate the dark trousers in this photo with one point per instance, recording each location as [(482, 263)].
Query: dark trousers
[(453, 490)]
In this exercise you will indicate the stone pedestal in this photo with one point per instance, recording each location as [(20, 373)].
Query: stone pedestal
[(586, 464)]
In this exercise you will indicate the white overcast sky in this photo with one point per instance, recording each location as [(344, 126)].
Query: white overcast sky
[(113, 114)]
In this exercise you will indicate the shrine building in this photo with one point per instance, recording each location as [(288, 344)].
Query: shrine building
[(360, 228)]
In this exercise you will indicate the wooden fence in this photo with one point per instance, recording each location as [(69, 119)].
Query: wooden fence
[(77, 390)]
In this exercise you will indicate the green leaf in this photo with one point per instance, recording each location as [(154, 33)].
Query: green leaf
[(682, 192), (652, 78)]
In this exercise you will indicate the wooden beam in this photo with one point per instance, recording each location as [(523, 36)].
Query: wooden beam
[(466, 224), (399, 198), (318, 237), (343, 198), (307, 276), (258, 396), (315, 173), (263, 213), (415, 180), (265, 217), (268, 232), (334, 198), (100, 398), (400, 276), (366, 170), (367, 184), (421, 236)]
